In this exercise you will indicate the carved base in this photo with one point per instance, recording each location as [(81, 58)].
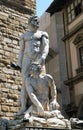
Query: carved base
[(36, 122), (19, 124)]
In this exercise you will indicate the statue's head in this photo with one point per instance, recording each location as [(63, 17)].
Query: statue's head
[(35, 68), (34, 21)]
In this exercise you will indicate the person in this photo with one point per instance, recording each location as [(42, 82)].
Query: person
[(34, 46), (42, 92)]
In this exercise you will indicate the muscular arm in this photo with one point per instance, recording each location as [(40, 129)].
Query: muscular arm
[(21, 53), (45, 47), (53, 104), (45, 42), (53, 89)]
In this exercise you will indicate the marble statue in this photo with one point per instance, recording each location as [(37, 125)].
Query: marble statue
[(39, 106), (34, 46), (44, 108), (42, 92)]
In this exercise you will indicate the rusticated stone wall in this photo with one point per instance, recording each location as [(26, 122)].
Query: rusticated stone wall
[(14, 17)]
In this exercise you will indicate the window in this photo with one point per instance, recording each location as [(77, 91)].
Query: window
[(74, 9), (78, 42), (81, 55)]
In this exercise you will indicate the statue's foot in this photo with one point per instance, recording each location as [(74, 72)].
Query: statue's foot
[(26, 117)]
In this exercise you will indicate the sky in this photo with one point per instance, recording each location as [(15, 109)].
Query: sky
[(42, 5)]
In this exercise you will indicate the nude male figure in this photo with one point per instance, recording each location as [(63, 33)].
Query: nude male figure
[(41, 91), (34, 46)]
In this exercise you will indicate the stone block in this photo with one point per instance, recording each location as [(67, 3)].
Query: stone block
[(7, 54), (8, 71), (0, 107), (15, 51), (7, 40), (9, 104), (7, 85), (15, 42), (3, 15), (13, 109), (2, 100), (14, 87), (5, 108), (9, 114), (13, 96), (2, 52), (15, 104), (1, 47)]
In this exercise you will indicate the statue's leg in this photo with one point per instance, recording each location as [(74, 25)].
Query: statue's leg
[(23, 100), (25, 67)]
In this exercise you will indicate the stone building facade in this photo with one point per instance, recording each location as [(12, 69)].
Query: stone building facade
[(55, 62), (70, 53), (73, 38), (14, 15)]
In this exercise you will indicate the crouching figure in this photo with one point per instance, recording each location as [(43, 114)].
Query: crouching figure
[(42, 92)]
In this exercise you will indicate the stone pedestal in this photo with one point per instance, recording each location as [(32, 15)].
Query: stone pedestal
[(37, 123)]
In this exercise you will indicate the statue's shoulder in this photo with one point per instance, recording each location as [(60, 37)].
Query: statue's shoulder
[(43, 34), (48, 77)]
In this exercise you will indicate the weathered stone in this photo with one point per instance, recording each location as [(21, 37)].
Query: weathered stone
[(6, 48), (10, 81), (7, 54), (15, 51), (1, 52), (7, 40), (1, 47), (15, 87), (9, 114), (3, 94), (3, 15), (5, 90), (2, 100), (0, 56), (7, 85), (5, 108), (15, 42), (13, 96), (9, 104), (1, 65), (1, 113), (13, 109), (8, 76), (7, 71)]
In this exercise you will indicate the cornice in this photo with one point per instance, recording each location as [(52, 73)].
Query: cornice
[(74, 31)]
